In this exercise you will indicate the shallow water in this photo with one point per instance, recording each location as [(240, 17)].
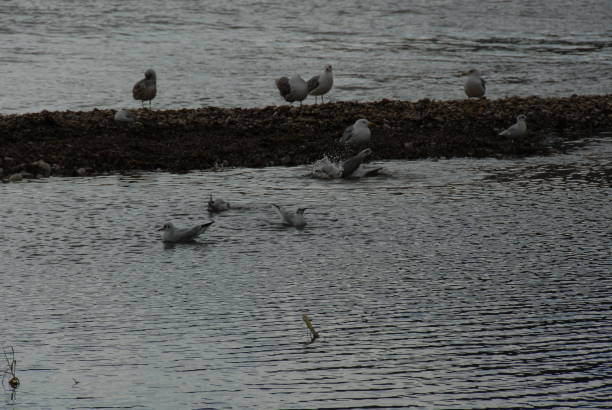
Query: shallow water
[(445, 284), (62, 54)]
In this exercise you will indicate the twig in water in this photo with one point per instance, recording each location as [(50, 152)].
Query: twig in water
[(12, 367), (313, 333)]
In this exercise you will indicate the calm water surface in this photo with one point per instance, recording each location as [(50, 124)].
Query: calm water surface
[(444, 284), (80, 55)]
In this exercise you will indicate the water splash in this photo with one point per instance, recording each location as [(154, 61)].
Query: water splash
[(326, 168)]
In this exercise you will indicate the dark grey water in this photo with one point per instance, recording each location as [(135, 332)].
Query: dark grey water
[(62, 54), (445, 284)]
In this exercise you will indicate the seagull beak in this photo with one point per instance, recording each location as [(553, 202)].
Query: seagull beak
[(371, 123), (161, 229)]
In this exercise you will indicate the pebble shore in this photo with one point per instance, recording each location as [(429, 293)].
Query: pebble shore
[(73, 143)]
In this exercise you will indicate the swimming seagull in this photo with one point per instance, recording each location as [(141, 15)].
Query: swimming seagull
[(474, 85), (145, 89), (125, 118), (358, 134), (172, 234), (217, 205), (322, 83), (292, 89), (293, 219), (517, 130)]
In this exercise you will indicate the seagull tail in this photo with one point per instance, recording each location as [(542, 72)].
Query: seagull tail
[(205, 226)]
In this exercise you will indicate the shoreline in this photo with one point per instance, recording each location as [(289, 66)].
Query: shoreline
[(70, 143)]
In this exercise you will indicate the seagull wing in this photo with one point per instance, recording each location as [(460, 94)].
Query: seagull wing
[(138, 90), (283, 86), (348, 133), (313, 83), (285, 216), (509, 131), (350, 165), (186, 235)]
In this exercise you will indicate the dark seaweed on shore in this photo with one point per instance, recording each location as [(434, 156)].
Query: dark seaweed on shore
[(79, 143)]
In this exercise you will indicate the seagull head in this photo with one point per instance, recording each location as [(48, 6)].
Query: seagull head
[(328, 68), (362, 122), (167, 226), (150, 74), (521, 117), (472, 72), (300, 211)]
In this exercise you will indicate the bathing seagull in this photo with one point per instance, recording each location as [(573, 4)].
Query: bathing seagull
[(172, 234), (350, 165), (517, 130), (322, 83), (145, 89), (293, 219), (292, 89), (358, 134), (217, 205), (474, 85)]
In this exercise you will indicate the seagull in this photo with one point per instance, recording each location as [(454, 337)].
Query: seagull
[(322, 83), (125, 118), (350, 165), (358, 134), (519, 129), (217, 205), (145, 89), (292, 89), (293, 219), (172, 234), (474, 85)]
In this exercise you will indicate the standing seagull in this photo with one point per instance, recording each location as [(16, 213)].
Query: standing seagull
[(293, 219), (474, 85), (172, 234), (322, 83), (519, 129), (292, 89), (358, 134), (145, 89)]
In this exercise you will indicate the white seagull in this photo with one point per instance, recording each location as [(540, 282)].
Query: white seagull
[(172, 234), (125, 118), (217, 205), (322, 83), (519, 129), (292, 89), (474, 85), (358, 134), (146, 89), (293, 219)]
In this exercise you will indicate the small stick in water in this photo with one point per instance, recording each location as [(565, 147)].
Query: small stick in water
[(12, 368), (313, 333)]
